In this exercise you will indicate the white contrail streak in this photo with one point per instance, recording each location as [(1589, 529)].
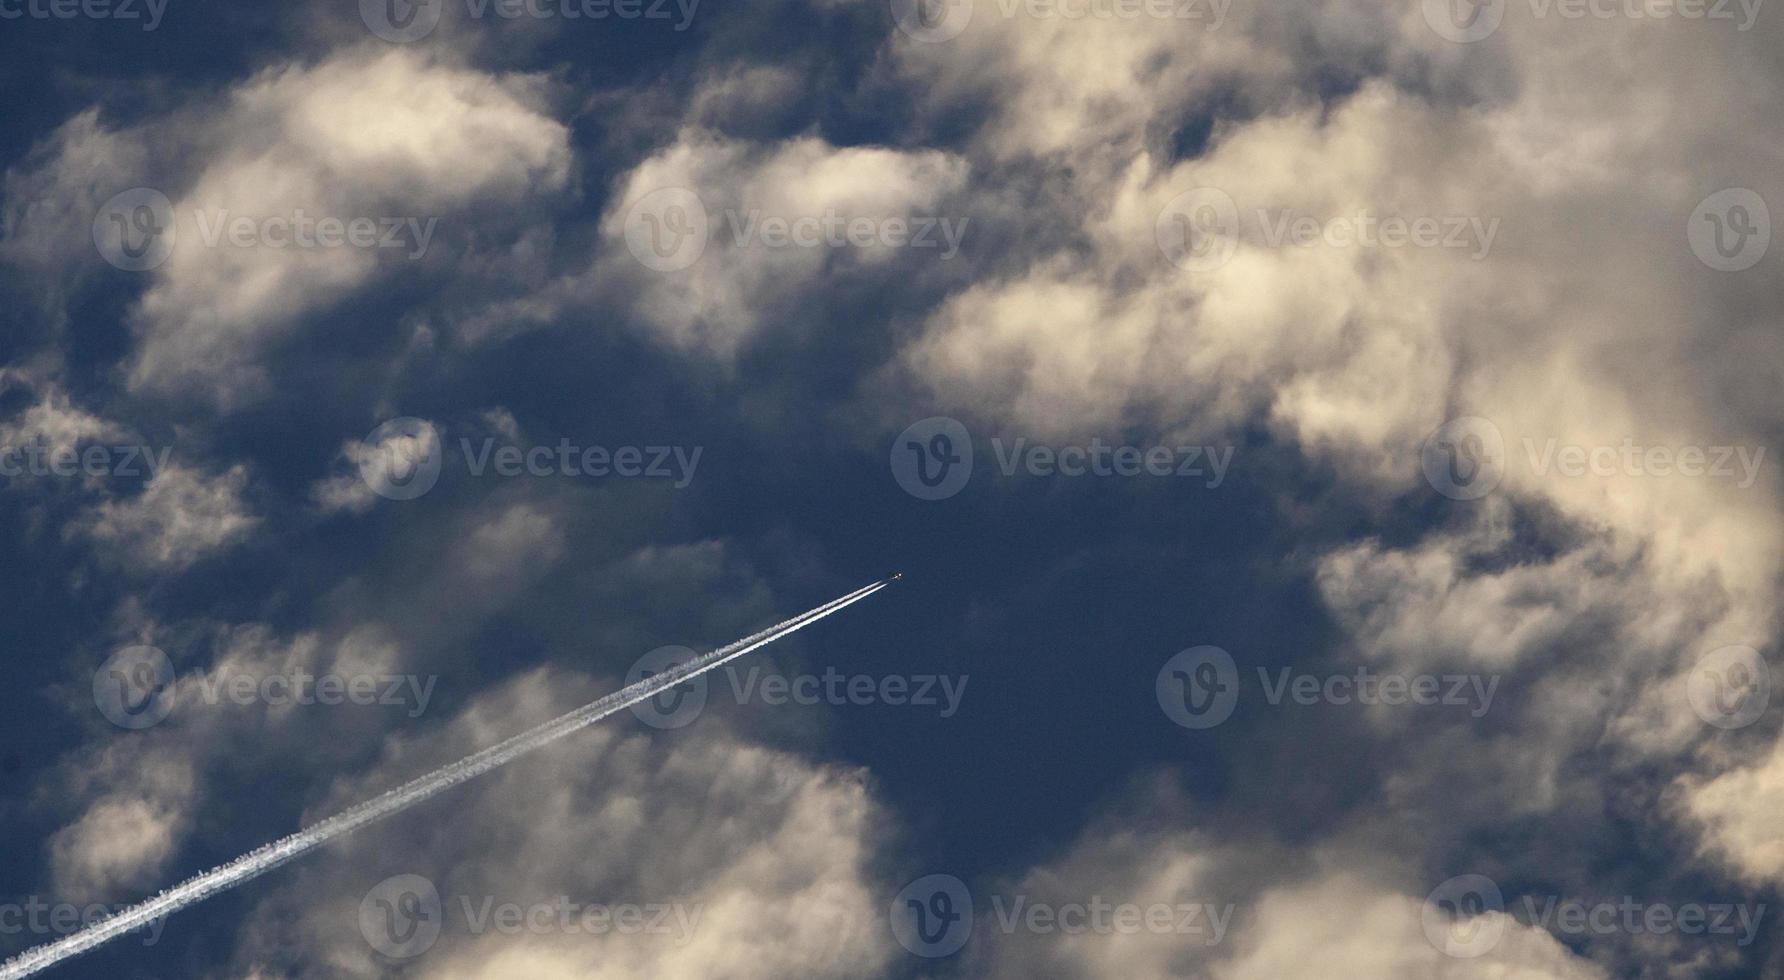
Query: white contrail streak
[(263, 859)]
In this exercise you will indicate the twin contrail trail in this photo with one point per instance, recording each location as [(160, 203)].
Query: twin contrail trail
[(261, 860)]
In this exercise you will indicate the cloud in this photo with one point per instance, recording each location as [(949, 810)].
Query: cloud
[(181, 516), (1562, 326), (779, 885), (718, 304), (376, 134), (1264, 912), (124, 838)]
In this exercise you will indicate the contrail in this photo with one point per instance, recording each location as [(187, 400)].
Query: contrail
[(263, 859)]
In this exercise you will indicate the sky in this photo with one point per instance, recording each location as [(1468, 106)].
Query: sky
[(1329, 449)]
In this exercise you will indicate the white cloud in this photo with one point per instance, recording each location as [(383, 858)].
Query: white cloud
[(720, 302), (371, 132), (1588, 321), (768, 850), (181, 516)]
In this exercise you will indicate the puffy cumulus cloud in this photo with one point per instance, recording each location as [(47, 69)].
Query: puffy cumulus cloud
[(1263, 913), (1333, 346), (387, 136), (52, 195), (765, 855), (717, 304), (383, 134), (136, 804), (1078, 89), (1571, 312), (743, 96), (398, 457), (1737, 810), (181, 516), (1342, 925), (505, 547), (132, 797), (58, 425)]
